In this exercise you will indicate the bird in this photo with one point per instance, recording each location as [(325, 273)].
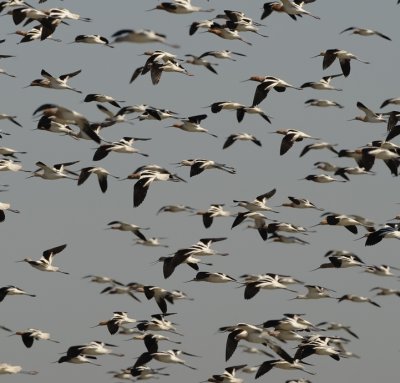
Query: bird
[(118, 318), (215, 210), (341, 220), (52, 82), (290, 137), (259, 203), (32, 334), (300, 203), (141, 36), (385, 232), (323, 103), (93, 348), (315, 292), (168, 356), (365, 32), (390, 101), (45, 263), (316, 345), (197, 166), (293, 9), (54, 172), (266, 83), (357, 298), (6, 368), (240, 137), (334, 326), (101, 173), (192, 124), (79, 359), (123, 226), (212, 277), (12, 119), (3, 207), (174, 209), (224, 54), (267, 282), (124, 145), (240, 113), (180, 7), (323, 84), (197, 60), (93, 39), (318, 146), (343, 56), (12, 290), (369, 116), (259, 222), (321, 178), (97, 97), (228, 376), (146, 177)]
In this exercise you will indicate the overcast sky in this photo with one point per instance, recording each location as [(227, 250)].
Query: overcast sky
[(58, 212)]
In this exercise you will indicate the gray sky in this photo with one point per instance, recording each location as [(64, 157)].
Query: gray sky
[(57, 212)]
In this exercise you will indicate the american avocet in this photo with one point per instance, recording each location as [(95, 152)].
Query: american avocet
[(323, 84), (28, 336), (92, 348), (45, 262), (240, 137), (290, 322), (12, 290), (102, 279), (343, 56), (225, 54), (63, 115), (151, 340), (197, 166), (240, 112), (175, 209), (293, 9), (351, 170), (215, 210), (321, 178), (102, 98), (203, 247), (341, 261), (6, 368), (341, 220), (212, 277), (180, 257), (197, 60), (365, 32), (119, 289), (160, 295), (377, 236), (243, 331), (158, 323), (169, 356), (318, 146), (180, 7), (266, 283), (226, 33), (316, 345), (315, 292), (216, 107), (36, 33), (286, 363), (55, 172), (146, 177), (192, 124), (113, 324), (52, 82), (146, 372), (101, 173), (123, 226), (124, 145), (334, 326), (3, 207), (2, 71), (384, 291), (141, 36), (323, 103), (266, 84), (290, 137), (369, 116), (10, 118), (93, 39), (79, 359), (275, 237), (300, 203), (259, 222), (389, 101), (357, 299), (228, 376), (9, 152), (259, 204), (64, 13), (325, 166)]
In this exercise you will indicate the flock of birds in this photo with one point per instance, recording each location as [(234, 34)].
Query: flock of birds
[(293, 342)]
